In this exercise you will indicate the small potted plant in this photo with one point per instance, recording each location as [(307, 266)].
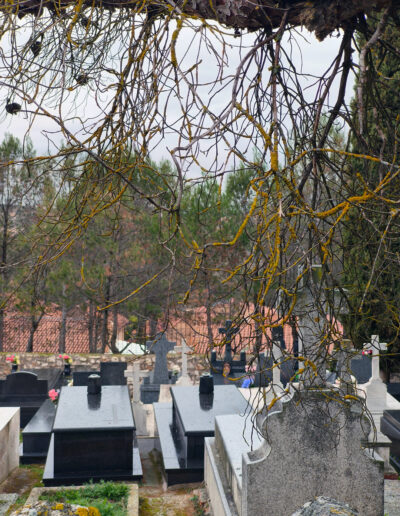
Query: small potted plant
[(14, 360), (67, 364)]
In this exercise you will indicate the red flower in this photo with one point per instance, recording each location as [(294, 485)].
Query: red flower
[(367, 352)]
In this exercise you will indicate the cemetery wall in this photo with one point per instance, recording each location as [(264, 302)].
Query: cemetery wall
[(197, 364)]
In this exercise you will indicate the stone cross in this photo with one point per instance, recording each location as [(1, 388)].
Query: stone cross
[(229, 331), (184, 379), (185, 349), (276, 371), (375, 347), (161, 346), (136, 374)]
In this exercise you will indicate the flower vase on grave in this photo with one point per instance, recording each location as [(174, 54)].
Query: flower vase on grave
[(67, 369), (14, 368)]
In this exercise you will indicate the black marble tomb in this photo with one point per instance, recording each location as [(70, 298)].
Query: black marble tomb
[(93, 437), (183, 424), (36, 435), (390, 426)]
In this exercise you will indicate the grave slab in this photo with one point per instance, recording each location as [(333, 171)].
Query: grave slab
[(98, 430), (183, 425), (36, 435)]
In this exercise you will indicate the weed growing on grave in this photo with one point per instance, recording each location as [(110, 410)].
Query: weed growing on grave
[(109, 498), (198, 506)]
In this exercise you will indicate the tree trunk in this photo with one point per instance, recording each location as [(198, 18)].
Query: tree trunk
[(91, 327), (34, 326), (4, 249), (208, 315), (1, 329), (113, 340), (104, 332), (63, 330)]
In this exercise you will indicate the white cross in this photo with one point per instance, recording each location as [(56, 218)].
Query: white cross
[(135, 373), (375, 347), (185, 349), (276, 371)]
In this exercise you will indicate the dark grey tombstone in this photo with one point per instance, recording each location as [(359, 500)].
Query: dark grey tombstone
[(160, 346), (149, 392), (288, 370), (361, 368), (237, 368), (394, 390), (390, 426), (112, 373), (93, 437), (278, 336), (263, 374), (183, 424), (23, 389), (36, 435), (80, 378)]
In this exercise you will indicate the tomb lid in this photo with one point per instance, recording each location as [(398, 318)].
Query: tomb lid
[(78, 411), (42, 421), (226, 399)]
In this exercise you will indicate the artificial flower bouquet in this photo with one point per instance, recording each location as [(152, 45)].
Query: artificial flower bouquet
[(67, 359), (13, 359)]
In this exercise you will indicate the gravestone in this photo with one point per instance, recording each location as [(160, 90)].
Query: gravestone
[(361, 368), (235, 369), (81, 378), (93, 436), (112, 373), (23, 389), (307, 448), (183, 424), (184, 379), (9, 440), (150, 388), (139, 411), (36, 435), (390, 426), (312, 440)]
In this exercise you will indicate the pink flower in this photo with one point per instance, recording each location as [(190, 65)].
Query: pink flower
[(13, 358), (367, 352), (53, 394)]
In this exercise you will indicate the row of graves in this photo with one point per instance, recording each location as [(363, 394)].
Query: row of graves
[(300, 447)]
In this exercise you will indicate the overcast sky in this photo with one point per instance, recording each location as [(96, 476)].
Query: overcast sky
[(312, 58)]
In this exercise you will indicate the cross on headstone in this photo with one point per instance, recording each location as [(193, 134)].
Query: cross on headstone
[(185, 349), (136, 374), (375, 347), (277, 357), (229, 331), (161, 346)]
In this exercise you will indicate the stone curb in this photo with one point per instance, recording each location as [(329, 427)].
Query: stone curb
[(133, 499)]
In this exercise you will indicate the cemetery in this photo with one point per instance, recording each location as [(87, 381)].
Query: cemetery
[(214, 434)]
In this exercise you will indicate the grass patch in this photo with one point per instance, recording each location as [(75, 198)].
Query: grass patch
[(32, 478), (110, 498)]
